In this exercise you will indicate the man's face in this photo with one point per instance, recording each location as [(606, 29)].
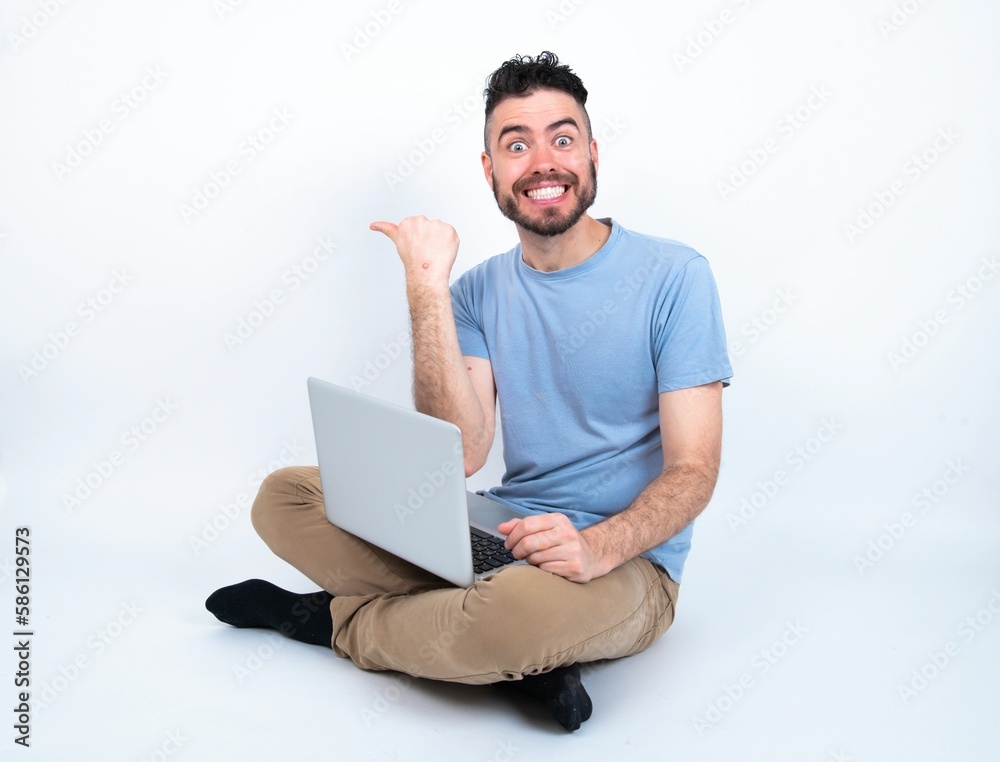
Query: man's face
[(541, 166)]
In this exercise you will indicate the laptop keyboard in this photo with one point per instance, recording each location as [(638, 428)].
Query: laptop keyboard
[(488, 552)]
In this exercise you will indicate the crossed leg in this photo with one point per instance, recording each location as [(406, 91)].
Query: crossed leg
[(521, 624), (389, 614)]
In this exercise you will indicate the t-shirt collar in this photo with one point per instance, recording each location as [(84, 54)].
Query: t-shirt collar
[(585, 266)]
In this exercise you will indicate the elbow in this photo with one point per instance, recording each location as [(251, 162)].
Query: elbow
[(710, 476), (707, 474), (475, 459), (476, 451), (473, 464)]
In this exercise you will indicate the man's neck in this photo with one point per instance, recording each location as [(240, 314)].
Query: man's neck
[(551, 253)]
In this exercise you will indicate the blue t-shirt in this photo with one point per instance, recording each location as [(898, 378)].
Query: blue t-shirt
[(579, 356)]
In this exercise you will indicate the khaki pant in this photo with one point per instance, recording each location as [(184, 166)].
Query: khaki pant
[(391, 615)]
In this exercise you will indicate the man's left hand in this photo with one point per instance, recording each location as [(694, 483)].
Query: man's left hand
[(551, 542)]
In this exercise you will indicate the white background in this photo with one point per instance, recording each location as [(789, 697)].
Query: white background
[(683, 98)]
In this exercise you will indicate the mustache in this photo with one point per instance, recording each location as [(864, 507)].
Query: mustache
[(569, 180)]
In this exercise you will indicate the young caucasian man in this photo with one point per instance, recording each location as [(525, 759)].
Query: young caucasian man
[(606, 351)]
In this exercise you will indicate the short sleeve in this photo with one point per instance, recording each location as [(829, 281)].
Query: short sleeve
[(471, 338), (689, 338)]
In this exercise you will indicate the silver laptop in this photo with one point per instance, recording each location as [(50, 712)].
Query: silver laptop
[(396, 478)]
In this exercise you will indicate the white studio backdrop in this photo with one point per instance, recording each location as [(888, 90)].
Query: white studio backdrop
[(185, 193)]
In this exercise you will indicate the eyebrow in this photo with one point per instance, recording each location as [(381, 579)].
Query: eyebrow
[(522, 128)]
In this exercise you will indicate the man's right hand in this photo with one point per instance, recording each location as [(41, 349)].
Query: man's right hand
[(428, 248)]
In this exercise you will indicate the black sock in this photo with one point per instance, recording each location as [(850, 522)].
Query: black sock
[(562, 689), (256, 603)]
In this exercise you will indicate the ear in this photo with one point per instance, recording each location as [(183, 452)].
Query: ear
[(488, 169), (593, 154)]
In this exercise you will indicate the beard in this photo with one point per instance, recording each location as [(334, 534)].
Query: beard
[(553, 222)]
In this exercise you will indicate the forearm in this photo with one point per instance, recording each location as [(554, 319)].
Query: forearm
[(667, 505), (441, 384)]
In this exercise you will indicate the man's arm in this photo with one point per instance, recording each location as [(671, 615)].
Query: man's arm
[(446, 385), (691, 430)]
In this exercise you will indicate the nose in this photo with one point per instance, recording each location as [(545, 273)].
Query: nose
[(544, 159)]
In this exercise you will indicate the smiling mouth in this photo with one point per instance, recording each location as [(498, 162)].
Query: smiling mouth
[(551, 191)]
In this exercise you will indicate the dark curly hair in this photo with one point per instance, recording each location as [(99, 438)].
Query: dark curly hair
[(523, 75)]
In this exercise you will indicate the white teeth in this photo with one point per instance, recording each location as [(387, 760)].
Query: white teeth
[(552, 191)]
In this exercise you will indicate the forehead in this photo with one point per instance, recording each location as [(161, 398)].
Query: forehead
[(535, 111)]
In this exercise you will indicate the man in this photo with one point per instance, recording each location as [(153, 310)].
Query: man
[(606, 351)]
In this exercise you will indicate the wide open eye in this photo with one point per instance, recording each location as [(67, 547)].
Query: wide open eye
[(516, 143)]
